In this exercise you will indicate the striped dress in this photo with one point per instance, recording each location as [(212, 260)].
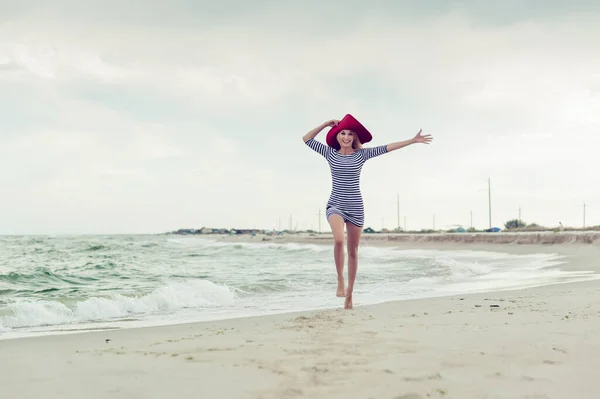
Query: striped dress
[(346, 199)]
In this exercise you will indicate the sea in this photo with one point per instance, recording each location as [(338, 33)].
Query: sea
[(70, 284)]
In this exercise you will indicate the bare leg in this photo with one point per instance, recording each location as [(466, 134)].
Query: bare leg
[(353, 241), (337, 227)]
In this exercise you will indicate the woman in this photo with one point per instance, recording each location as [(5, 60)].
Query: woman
[(346, 156)]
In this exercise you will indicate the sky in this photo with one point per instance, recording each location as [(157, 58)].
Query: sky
[(146, 117)]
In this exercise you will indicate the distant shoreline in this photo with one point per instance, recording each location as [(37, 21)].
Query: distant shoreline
[(587, 237), (548, 237)]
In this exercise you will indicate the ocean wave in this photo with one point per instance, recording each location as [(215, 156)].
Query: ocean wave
[(39, 274), (40, 278), (461, 269), (266, 286), (213, 245), (172, 297), (96, 247)]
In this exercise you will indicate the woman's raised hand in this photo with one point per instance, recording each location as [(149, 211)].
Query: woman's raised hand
[(331, 123), (422, 139)]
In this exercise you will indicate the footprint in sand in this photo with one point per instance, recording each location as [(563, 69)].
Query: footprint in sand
[(435, 376), (410, 396), (551, 362)]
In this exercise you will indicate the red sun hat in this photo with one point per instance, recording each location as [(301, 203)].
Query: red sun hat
[(348, 122)]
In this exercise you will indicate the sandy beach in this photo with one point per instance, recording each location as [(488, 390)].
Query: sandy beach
[(534, 343)]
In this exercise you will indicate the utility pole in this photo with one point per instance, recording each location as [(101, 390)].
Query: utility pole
[(319, 220), (398, 209), (319, 213), (490, 202)]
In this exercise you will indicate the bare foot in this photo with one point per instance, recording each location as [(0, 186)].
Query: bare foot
[(348, 301), (340, 288)]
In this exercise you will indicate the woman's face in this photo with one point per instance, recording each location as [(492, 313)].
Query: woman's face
[(345, 138)]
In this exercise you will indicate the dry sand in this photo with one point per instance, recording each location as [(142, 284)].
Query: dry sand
[(534, 343)]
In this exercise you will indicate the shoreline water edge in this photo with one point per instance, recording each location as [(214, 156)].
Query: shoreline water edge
[(537, 342)]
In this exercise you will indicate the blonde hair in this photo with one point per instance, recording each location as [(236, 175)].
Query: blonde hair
[(356, 144)]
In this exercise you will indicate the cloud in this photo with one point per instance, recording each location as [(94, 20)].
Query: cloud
[(191, 113), (479, 66), (154, 142)]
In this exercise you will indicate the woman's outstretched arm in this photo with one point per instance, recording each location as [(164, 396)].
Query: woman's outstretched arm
[(313, 133), (417, 139)]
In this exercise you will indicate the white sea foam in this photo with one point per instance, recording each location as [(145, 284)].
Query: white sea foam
[(170, 298)]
